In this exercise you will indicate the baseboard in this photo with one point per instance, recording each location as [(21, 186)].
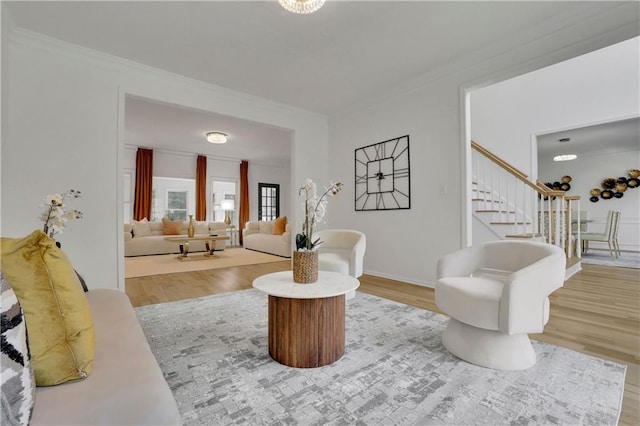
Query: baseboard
[(400, 278), (572, 270)]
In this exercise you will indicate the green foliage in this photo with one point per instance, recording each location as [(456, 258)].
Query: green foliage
[(302, 242)]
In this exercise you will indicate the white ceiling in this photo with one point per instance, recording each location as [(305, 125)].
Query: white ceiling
[(342, 55), (322, 62), (158, 125), (607, 138)]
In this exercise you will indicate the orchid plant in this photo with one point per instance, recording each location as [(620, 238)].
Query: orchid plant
[(55, 215), (314, 208)]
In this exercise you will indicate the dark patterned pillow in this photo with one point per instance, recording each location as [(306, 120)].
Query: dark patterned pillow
[(18, 383), (82, 282)]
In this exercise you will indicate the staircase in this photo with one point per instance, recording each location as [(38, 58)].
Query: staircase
[(498, 216), (509, 205)]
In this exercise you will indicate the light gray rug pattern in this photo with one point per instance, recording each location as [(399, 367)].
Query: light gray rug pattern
[(627, 259), (213, 352)]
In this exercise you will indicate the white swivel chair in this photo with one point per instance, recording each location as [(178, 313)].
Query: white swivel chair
[(496, 293), (342, 250)]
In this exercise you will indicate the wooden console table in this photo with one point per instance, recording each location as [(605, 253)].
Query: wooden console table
[(183, 240), (306, 321)]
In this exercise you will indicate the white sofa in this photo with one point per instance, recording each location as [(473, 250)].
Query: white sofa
[(141, 245), (126, 386), (259, 236)]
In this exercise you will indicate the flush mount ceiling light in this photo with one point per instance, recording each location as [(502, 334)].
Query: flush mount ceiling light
[(565, 157), (301, 6), (217, 137)]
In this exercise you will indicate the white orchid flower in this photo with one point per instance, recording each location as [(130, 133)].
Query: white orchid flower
[(315, 209), (55, 216)]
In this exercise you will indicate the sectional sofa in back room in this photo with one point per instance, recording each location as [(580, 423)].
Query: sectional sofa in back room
[(143, 238)]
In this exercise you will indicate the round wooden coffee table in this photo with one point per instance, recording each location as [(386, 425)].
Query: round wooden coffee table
[(306, 321)]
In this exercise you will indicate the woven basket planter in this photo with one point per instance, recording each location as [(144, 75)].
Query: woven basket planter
[(305, 267)]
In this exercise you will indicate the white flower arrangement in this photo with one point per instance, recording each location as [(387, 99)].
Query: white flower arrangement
[(55, 216), (314, 209)]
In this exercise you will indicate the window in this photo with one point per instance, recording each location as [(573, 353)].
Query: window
[(173, 198), (176, 208), (224, 191), (268, 201)]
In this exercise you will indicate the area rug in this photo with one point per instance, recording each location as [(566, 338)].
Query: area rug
[(214, 355), (627, 259), (141, 266)]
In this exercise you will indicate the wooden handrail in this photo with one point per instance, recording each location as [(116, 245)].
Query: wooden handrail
[(549, 192), (499, 161), (551, 224), (539, 187)]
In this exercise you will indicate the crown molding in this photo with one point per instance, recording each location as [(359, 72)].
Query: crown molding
[(23, 37), (597, 14), (209, 157), (183, 153)]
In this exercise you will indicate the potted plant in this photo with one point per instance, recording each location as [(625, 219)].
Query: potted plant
[(305, 258)]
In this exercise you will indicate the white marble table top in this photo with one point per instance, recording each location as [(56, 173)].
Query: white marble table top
[(329, 284)]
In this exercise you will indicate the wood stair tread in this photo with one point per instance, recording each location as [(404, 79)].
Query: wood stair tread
[(492, 211), (510, 223), (528, 235)]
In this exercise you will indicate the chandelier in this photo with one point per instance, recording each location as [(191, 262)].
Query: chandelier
[(301, 6)]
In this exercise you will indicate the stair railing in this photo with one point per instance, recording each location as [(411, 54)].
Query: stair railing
[(533, 209)]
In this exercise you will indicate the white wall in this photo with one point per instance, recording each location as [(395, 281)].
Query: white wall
[(600, 86), (65, 127), (587, 172), (406, 244), (5, 25)]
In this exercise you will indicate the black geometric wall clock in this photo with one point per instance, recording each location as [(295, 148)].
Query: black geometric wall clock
[(382, 172)]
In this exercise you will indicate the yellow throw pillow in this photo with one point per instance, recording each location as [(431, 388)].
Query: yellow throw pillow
[(279, 225), (171, 227), (59, 324)]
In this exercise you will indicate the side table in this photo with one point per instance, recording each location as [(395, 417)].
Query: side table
[(232, 232), (306, 321)]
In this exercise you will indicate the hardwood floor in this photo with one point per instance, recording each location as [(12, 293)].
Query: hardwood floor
[(597, 312)]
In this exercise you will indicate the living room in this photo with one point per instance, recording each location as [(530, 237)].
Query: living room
[(90, 99), (63, 115)]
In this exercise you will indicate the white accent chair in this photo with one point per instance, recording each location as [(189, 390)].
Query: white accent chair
[(496, 293), (342, 250), (609, 235)]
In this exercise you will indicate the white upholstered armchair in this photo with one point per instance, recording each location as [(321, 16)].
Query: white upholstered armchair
[(496, 293), (342, 250)]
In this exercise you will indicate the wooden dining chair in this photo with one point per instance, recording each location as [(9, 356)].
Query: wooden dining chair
[(609, 235)]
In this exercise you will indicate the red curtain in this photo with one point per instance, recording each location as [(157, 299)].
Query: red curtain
[(144, 184), (243, 211), (201, 188)]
